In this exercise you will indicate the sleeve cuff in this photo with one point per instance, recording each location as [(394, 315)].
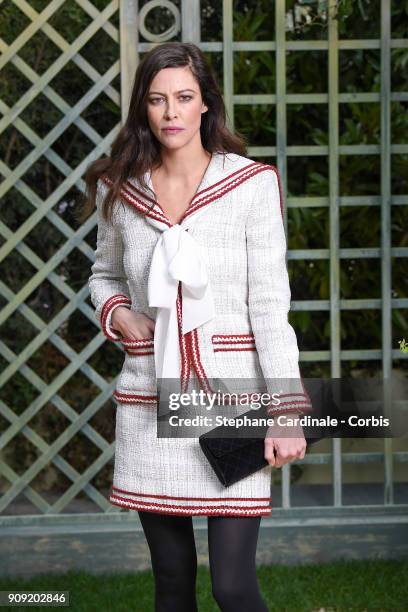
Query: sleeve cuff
[(298, 401), (293, 403), (109, 306)]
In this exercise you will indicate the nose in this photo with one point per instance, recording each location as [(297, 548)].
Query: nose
[(170, 110)]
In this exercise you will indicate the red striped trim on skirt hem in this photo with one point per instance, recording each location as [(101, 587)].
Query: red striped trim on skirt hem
[(115, 490), (169, 504), (174, 510)]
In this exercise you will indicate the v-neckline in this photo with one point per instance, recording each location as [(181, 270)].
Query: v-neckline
[(200, 188)]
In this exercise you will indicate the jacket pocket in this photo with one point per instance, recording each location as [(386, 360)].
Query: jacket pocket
[(237, 362), (233, 342), (143, 346)]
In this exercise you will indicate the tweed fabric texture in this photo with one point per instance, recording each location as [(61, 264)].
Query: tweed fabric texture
[(173, 476), (241, 238)]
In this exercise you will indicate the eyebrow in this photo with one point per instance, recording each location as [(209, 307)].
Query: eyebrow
[(162, 94)]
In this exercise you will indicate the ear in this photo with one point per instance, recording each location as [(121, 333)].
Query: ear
[(205, 108)]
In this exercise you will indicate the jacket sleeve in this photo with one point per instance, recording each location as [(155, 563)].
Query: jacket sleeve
[(269, 297), (108, 284)]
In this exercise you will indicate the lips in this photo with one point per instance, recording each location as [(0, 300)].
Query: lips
[(172, 129)]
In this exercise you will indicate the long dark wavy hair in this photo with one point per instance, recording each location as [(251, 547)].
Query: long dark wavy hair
[(135, 149)]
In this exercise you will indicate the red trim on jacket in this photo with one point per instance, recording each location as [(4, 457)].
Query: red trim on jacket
[(235, 338), (119, 299), (138, 347), (196, 361), (231, 342), (189, 344), (135, 398), (254, 169), (184, 348), (128, 192)]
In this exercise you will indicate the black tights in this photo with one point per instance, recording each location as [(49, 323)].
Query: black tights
[(232, 542)]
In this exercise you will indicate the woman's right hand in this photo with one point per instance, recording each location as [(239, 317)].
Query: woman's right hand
[(132, 325)]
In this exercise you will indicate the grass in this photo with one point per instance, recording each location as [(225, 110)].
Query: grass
[(342, 586)]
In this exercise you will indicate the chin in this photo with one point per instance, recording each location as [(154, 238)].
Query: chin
[(173, 146)]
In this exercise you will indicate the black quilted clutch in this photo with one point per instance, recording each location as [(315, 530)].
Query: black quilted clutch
[(235, 458)]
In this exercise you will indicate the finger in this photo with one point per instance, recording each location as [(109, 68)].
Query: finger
[(132, 335), (139, 335), (299, 454), (269, 454), (300, 451), (151, 325), (144, 332), (281, 459), (288, 457), (274, 452)]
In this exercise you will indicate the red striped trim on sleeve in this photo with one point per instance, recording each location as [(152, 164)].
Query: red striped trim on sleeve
[(119, 299), (292, 402), (143, 346), (135, 398)]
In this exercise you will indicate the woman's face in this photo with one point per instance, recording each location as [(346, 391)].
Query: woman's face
[(174, 100)]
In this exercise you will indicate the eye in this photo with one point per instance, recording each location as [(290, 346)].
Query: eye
[(186, 96), (153, 100)]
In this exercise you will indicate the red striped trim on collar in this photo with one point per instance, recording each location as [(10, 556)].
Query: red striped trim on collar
[(128, 195), (142, 202), (219, 189)]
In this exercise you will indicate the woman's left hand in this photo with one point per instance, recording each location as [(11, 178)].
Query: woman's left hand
[(279, 448)]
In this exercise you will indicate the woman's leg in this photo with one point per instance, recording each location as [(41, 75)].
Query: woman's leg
[(232, 542), (174, 560)]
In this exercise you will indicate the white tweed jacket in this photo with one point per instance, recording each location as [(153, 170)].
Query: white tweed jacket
[(236, 220)]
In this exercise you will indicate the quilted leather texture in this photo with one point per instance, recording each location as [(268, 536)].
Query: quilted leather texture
[(233, 458)]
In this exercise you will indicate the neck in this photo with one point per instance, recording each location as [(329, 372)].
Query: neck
[(183, 162)]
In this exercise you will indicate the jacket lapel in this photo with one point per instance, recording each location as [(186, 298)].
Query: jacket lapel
[(219, 178)]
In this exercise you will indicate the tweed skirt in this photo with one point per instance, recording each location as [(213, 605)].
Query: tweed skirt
[(173, 476)]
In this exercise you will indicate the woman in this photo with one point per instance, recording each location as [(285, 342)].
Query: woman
[(190, 277)]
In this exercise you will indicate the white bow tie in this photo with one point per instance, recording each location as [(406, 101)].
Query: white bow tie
[(176, 257)]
